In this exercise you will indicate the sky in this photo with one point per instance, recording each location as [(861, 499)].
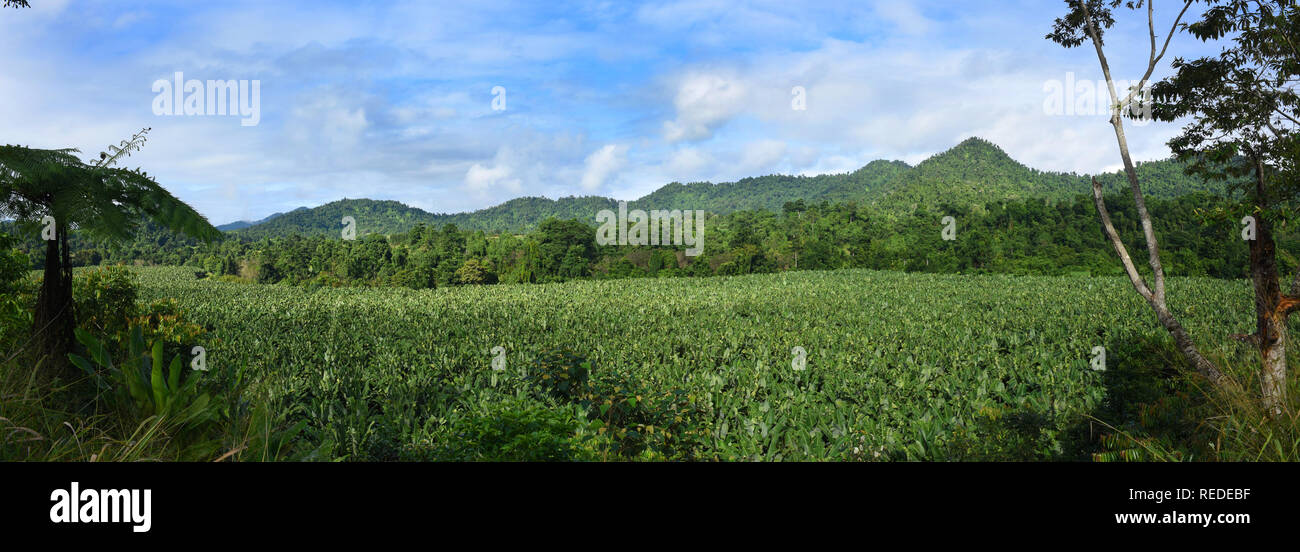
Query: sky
[(456, 106)]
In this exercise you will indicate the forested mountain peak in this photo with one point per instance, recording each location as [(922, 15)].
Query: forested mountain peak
[(967, 176)]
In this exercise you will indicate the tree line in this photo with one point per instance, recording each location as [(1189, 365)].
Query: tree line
[(1031, 237)]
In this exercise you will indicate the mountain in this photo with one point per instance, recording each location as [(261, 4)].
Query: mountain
[(372, 216), (977, 172), (526, 212), (970, 175), (241, 224), (391, 217), (772, 192)]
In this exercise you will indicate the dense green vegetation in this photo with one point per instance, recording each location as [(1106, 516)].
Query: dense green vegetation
[(1011, 219), (321, 368), (702, 369), (1017, 237), (136, 396)]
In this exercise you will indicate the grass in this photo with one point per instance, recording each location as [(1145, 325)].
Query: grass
[(1191, 420)]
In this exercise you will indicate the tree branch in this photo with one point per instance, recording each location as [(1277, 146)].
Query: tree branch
[(1118, 244), (1156, 297)]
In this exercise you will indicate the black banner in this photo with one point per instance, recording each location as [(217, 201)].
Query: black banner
[(289, 500)]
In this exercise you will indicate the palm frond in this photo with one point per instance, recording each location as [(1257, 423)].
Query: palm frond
[(124, 149), (96, 198)]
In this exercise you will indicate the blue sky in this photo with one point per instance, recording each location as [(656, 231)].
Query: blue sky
[(393, 100)]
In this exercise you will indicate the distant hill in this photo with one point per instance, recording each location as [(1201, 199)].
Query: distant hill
[(372, 216), (773, 191), (526, 212), (969, 175), (241, 224), (972, 174)]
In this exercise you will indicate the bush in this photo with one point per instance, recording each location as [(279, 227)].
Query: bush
[(175, 408), (105, 300), (13, 264), (163, 321), (520, 430), (561, 373), (644, 420), (640, 420)]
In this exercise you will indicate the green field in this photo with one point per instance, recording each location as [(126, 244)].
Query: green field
[(899, 366)]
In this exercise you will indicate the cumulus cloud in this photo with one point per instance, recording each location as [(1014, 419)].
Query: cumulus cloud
[(601, 164), (903, 15), (688, 164), (328, 122), (393, 102), (480, 179), (703, 102), (762, 155)]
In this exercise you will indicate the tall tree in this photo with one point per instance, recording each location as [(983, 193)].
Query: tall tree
[(1245, 115), (1087, 21), (96, 198)]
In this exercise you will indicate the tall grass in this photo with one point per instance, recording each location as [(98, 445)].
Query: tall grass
[(53, 419), (1196, 421), (56, 421)]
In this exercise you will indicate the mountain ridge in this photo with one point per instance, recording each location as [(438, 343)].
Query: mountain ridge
[(967, 176)]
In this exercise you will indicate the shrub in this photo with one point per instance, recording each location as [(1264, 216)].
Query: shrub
[(520, 430), (13, 264), (105, 300), (560, 373), (163, 321), (646, 421), (641, 420)]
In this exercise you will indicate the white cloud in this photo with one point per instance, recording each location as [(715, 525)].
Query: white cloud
[(761, 156), (704, 101), (688, 165), (903, 15), (601, 164), (327, 124), (480, 179)]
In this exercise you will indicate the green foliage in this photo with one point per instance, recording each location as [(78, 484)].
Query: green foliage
[(474, 272), (380, 373), (141, 377), (13, 263), (520, 430), (560, 373), (105, 300)]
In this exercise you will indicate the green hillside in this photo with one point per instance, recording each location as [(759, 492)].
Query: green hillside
[(372, 216), (970, 175), (527, 212)]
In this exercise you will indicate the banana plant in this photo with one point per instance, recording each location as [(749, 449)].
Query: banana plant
[(141, 376)]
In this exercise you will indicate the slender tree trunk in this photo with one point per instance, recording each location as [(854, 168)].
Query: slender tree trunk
[(1155, 292), (54, 319), (1183, 341)]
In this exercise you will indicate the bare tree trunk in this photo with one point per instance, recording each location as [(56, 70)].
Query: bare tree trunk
[(1155, 294), (54, 319), (1183, 341)]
